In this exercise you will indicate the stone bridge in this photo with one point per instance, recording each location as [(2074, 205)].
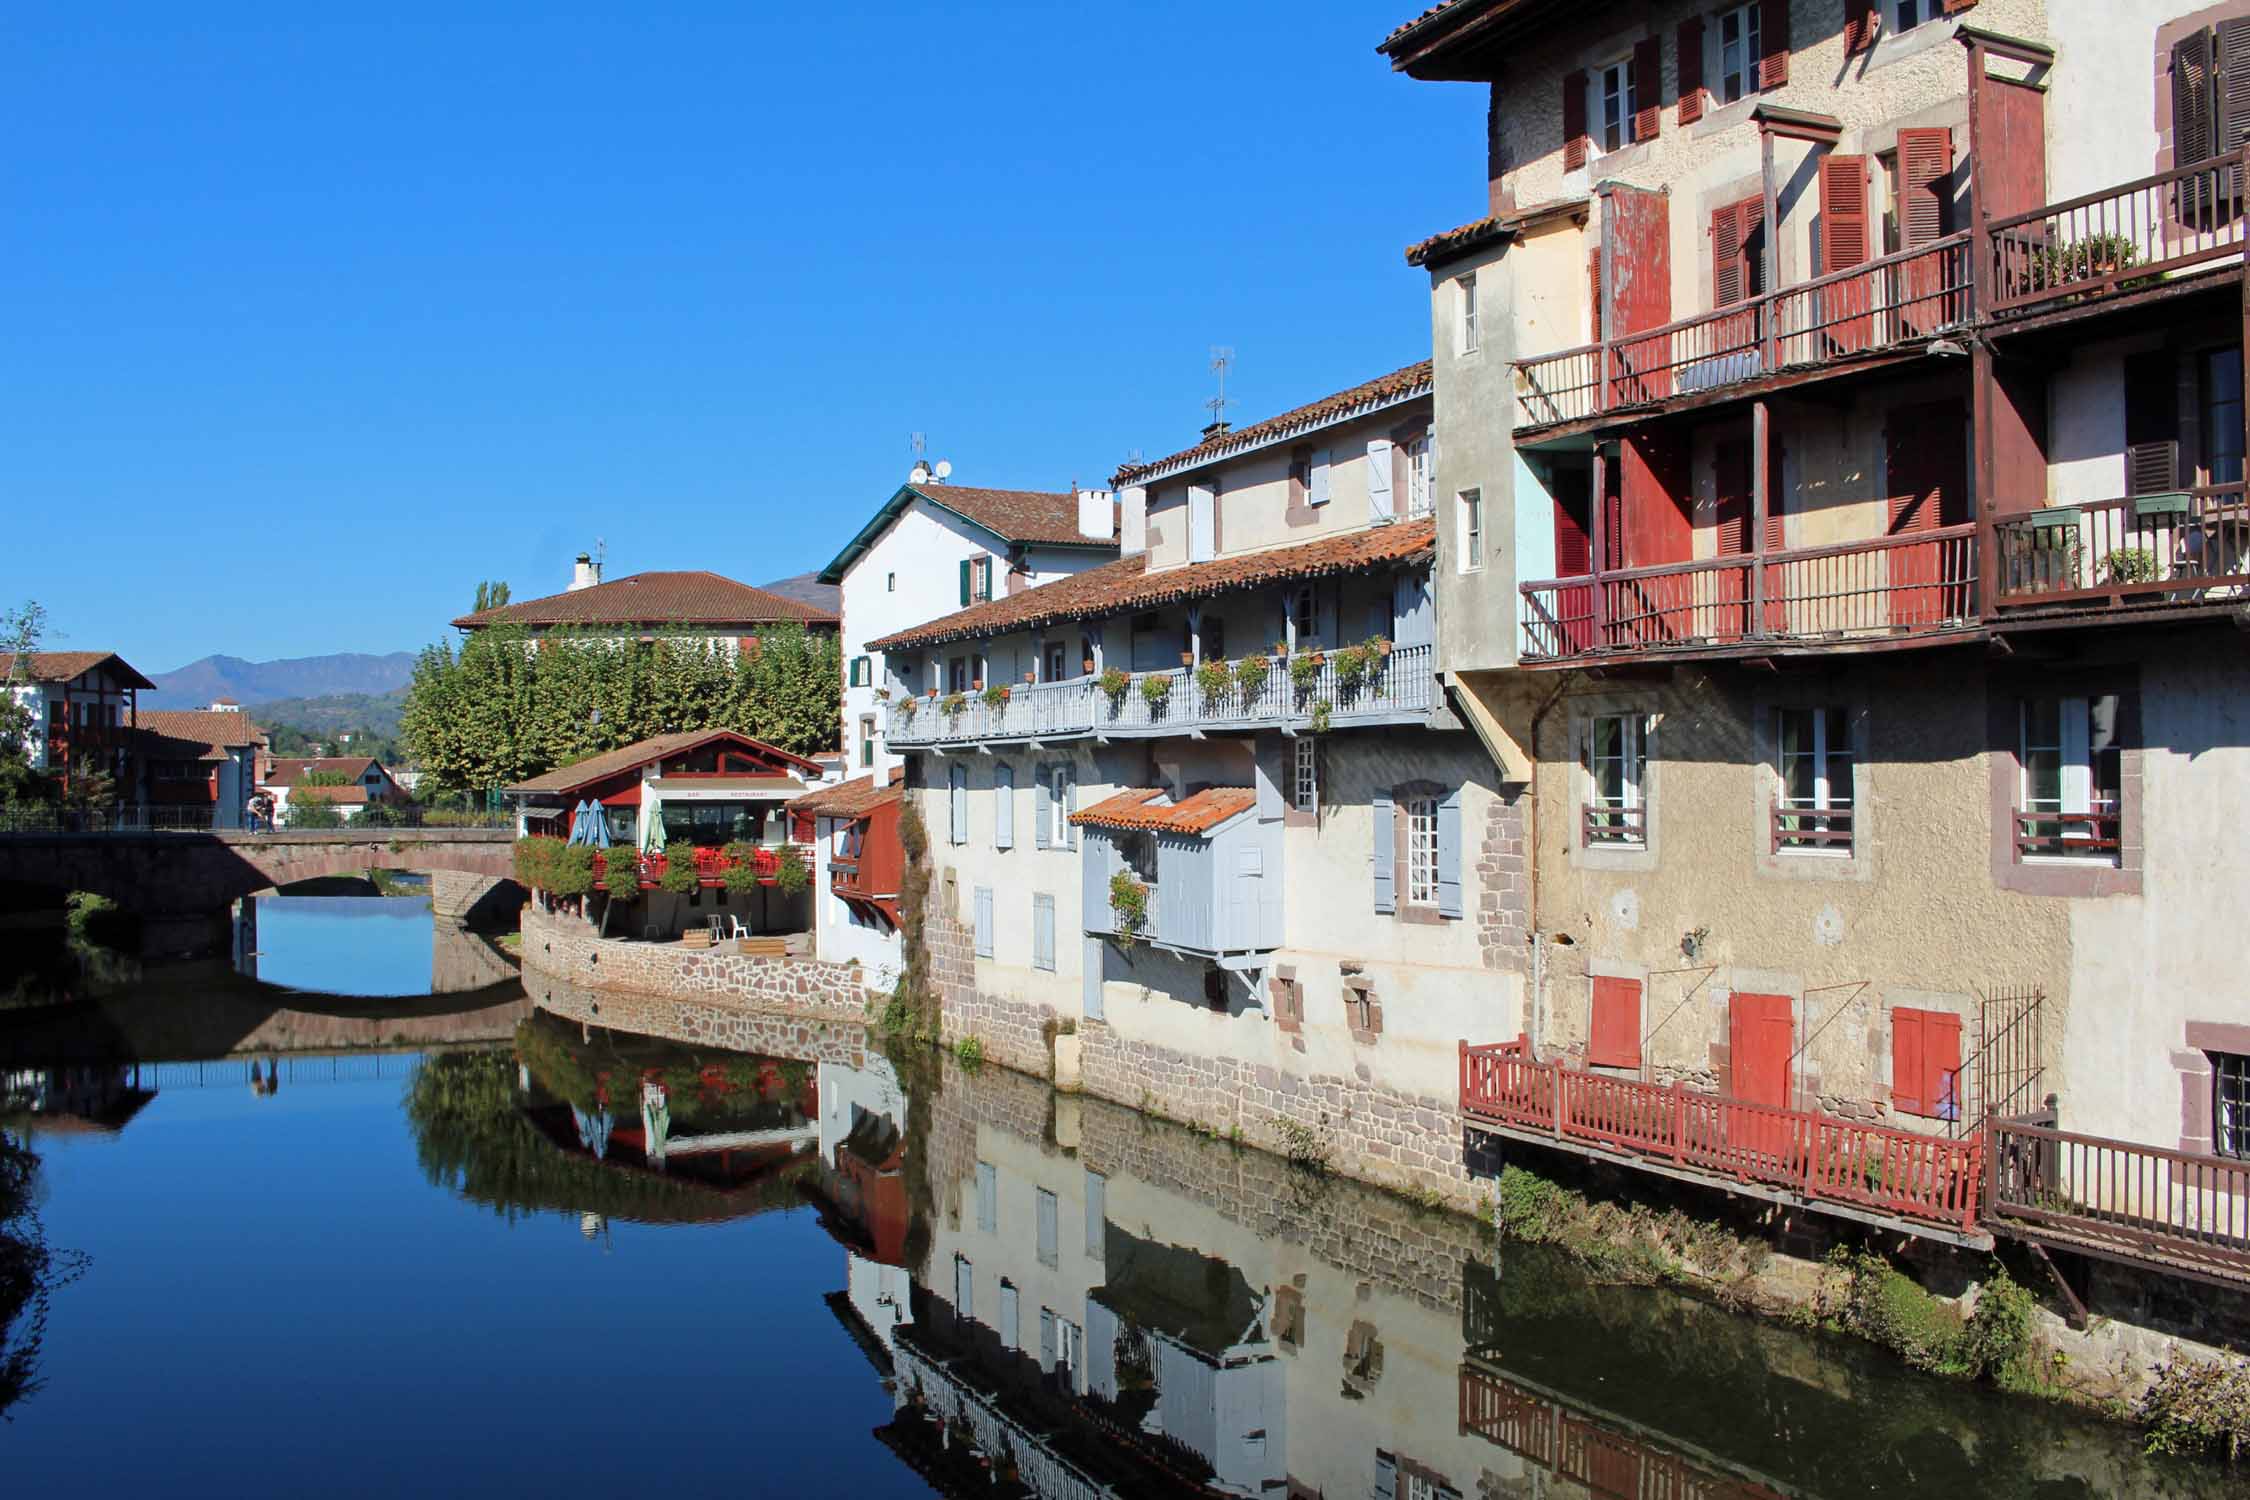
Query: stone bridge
[(184, 875)]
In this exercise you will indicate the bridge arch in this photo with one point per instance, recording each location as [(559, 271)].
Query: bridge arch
[(189, 874)]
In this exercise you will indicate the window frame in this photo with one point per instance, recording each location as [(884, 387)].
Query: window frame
[(1304, 774), (1418, 813), (1619, 73), (1468, 324), (2228, 359), (1621, 823), (1895, 12), (1816, 834), (2230, 1104), (1730, 87), (867, 740), (980, 579), (1054, 661), (1304, 603), (2075, 760), (1470, 503), (1421, 476)]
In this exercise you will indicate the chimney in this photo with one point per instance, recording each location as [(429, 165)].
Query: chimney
[(1132, 527), (585, 572), (1216, 428), (1097, 515)]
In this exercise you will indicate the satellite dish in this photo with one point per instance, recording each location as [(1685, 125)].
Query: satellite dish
[(919, 476), (945, 468)]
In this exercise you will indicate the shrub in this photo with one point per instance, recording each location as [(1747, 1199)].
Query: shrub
[(2083, 260), (1320, 716), (741, 873), (1128, 898), (2196, 1406), (969, 1053), (792, 876), (2130, 565), (1252, 672), (96, 919), (621, 874), (535, 862), (1213, 678), (1351, 667), (572, 871), (997, 695), (1155, 688), (1114, 681), (679, 876), (310, 812)]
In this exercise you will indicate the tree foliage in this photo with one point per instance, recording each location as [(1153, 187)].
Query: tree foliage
[(491, 594), (498, 711), (20, 631)]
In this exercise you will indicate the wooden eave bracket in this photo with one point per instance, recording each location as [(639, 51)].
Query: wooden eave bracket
[(1784, 123), (2000, 44)]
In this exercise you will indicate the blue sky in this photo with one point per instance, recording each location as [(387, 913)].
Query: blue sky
[(314, 322)]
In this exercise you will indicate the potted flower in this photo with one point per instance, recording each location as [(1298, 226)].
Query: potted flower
[(1187, 658), (1304, 670), (1128, 899), (906, 710), (1114, 681), (1252, 672), (996, 696), (1214, 677), (1351, 667), (953, 704), (1155, 688)]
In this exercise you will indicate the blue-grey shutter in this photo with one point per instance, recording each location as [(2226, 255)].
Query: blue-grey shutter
[(988, 1198), (984, 921), (1384, 857), (1379, 479), (1386, 1476), (1097, 1214), (1004, 810), (1449, 855), (957, 798), (1090, 958), (1050, 1248), (1009, 1318), (1316, 485), (1044, 807), (1070, 800), (1043, 932), (964, 581), (1046, 1338), (964, 1288)]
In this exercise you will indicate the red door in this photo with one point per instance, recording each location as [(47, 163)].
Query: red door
[(1574, 558), (1761, 1040), (1730, 585), (1926, 455)]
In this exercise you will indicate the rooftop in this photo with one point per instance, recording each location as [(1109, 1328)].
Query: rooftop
[(195, 733), (1047, 518), (851, 799), (1127, 583), (1385, 390), (697, 598), (570, 778), (62, 666), (1153, 810), (287, 772)]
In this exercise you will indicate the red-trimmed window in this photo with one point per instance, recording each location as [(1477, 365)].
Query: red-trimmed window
[(1926, 1063), (1615, 1041)]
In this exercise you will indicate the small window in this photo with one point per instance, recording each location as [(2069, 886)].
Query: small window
[(1053, 657), (1813, 810), (861, 671), (867, 741), (1472, 530), (957, 675), (980, 578), (1467, 293), (1043, 932), (1616, 810), (2230, 1104), (1888, 162), (1738, 53), (1421, 470), (1304, 613), (1908, 14), (1614, 104), (1304, 778), (1058, 806), (1421, 815), (2067, 798), (1138, 851), (890, 583), (2222, 417)]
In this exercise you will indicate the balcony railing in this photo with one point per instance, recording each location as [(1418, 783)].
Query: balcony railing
[(1799, 828), (1885, 303), (1611, 826), (2149, 549), (2091, 836), (2122, 237), (1871, 1167), (1909, 583), (711, 865), (1397, 685), (2142, 1202)]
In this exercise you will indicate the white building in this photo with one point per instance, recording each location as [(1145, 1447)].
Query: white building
[(936, 547), (79, 708)]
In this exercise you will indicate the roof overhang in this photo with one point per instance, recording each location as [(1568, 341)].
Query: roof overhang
[(1471, 41), (1170, 468)]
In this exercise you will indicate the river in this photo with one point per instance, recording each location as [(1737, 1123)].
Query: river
[(479, 1244)]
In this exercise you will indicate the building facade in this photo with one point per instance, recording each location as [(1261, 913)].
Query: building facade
[(79, 709)]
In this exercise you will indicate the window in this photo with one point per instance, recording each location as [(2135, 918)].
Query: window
[(1813, 810), (1421, 469), (1003, 806), (1616, 811), (1908, 14), (1214, 639), (1043, 932), (1058, 806), (1421, 814), (957, 804), (1472, 530), (1466, 292), (2230, 1104), (980, 575), (984, 921), (988, 1198), (867, 740), (862, 671), (1052, 656), (2222, 416), (964, 1287), (890, 583), (1738, 53), (1888, 162), (1304, 774), (1046, 1221), (1614, 105), (1138, 852), (2071, 769), (957, 675), (1304, 614)]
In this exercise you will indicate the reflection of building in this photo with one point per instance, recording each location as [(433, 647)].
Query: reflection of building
[(99, 1098), (863, 1148)]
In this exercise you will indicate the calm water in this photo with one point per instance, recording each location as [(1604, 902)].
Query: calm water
[(565, 1256)]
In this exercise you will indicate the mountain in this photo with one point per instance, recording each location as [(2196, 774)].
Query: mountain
[(251, 683), (320, 717)]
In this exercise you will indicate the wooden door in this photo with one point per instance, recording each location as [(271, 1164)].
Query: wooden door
[(1761, 1044), (1926, 458)]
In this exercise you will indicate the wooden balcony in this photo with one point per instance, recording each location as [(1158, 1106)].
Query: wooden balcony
[(1398, 687), (2140, 1204), (2146, 551), (1920, 583), (1891, 303), (1870, 1172), (2122, 238), (711, 865)]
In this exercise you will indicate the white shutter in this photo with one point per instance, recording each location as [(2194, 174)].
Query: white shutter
[(1043, 932), (957, 800), (1050, 1249), (964, 1285), (1383, 856), (1043, 812), (1379, 479), (2077, 758), (1004, 812), (1097, 1214), (984, 921), (1316, 489), (1008, 1315)]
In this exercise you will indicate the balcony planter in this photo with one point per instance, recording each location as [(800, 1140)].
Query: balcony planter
[(1187, 658), (1304, 671), (997, 695), (953, 704), (1155, 688), (2145, 506), (1113, 682), (1128, 903), (1251, 672), (1214, 678)]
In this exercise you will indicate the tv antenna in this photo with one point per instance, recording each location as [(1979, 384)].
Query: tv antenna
[(601, 554), (1222, 359)]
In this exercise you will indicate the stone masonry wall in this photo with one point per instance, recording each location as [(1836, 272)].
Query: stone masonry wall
[(1503, 884), (566, 947), (1012, 1032), (760, 1033)]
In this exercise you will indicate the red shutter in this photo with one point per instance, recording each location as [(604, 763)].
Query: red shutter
[(1691, 69), (1925, 162), (1859, 25), (1732, 481), (1648, 88), (1574, 142), (1574, 548), (1761, 1032), (1726, 256), (1941, 1065), (1615, 1039), (1843, 212), (1773, 34), (1907, 1052), (1594, 276)]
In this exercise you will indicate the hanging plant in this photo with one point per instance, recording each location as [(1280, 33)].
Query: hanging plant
[(1320, 715), (741, 872), (1114, 681), (1304, 671), (952, 705), (573, 873), (1155, 688), (1252, 672), (1351, 667), (906, 709), (1128, 898), (621, 874), (996, 696), (1214, 678)]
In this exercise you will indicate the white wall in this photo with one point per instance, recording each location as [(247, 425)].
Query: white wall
[(2102, 127), (840, 935)]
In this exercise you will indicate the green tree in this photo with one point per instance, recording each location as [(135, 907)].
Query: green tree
[(20, 632), (491, 594)]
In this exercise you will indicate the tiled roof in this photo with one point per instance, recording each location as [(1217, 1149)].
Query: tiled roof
[(1126, 583), (286, 772), (1152, 809), (1405, 26), (178, 733), (698, 598), (344, 794), (1438, 246), (852, 799), (61, 666), (627, 757), (1397, 385), (806, 588), (1046, 517)]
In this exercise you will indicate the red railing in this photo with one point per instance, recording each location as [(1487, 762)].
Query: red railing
[(1607, 1460), (2120, 237), (2063, 835), (1916, 581), (1928, 1178), (2170, 548), (1804, 829), (711, 866), (2144, 1202), (1881, 304)]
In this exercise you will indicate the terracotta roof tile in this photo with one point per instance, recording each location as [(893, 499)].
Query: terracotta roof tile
[(344, 794), (852, 799), (179, 733), (286, 771), (1151, 809), (1016, 515), (61, 666), (1127, 584), (626, 757), (698, 598), (1405, 26), (1397, 385)]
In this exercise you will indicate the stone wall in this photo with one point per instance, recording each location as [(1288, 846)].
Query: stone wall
[(801, 1038), (1504, 884), (1012, 1032), (566, 947)]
